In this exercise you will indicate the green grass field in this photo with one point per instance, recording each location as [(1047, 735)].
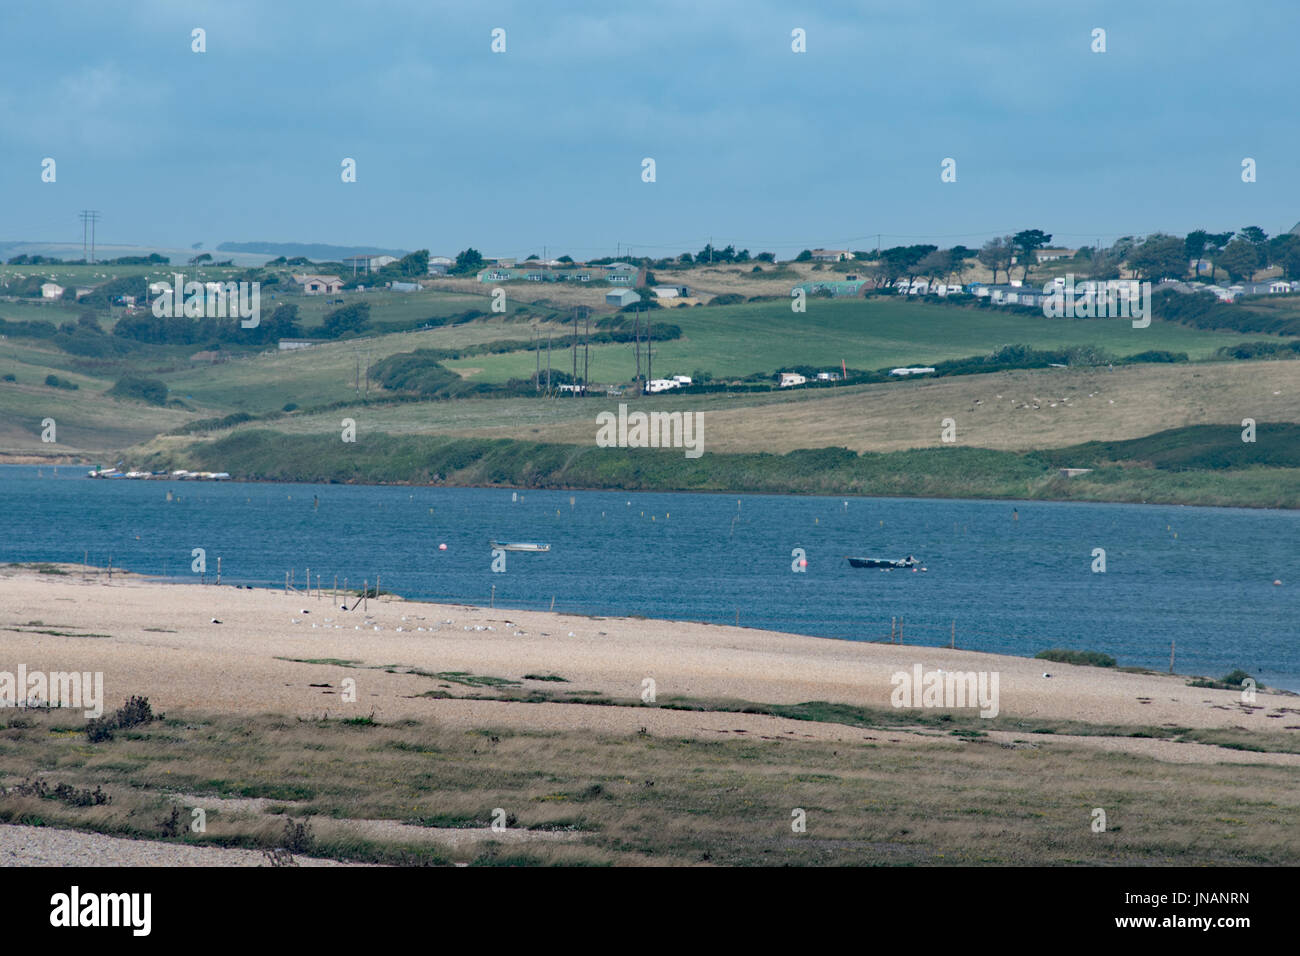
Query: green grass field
[(866, 334)]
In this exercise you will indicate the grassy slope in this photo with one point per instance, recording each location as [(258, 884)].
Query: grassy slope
[(1268, 477), (864, 333), (991, 411)]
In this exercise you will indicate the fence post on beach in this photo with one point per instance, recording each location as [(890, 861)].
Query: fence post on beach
[(953, 643), (309, 582), (376, 587), (334, 592), (110, 567), (218, 572), (317, 583), (365, 594), (552, 602), (1171, 657), (492, 600), (893, 628), (900, 629), (286, 582)]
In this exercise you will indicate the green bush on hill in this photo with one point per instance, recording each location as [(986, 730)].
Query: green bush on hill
[(1086, 658), (141, 389)]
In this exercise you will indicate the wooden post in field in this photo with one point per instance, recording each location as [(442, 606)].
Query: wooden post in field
[(1171, 657), (953, 643)]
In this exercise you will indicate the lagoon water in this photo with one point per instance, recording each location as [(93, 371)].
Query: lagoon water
[(1015, 576)]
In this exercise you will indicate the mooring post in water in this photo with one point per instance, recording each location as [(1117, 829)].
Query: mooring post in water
[(218, 572), (953, 643), (893, 629), (900, 629), (1171, 656)]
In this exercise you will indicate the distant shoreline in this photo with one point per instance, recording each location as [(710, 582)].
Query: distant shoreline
[(1147, 486)]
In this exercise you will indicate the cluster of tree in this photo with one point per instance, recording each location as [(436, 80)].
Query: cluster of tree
[(467, 261), (153, 259), (102, 296), (1204, 311), (711, 256), (179, 330), (345, 321), (141, 389)]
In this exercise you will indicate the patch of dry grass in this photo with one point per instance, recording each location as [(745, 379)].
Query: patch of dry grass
[(413, 792)]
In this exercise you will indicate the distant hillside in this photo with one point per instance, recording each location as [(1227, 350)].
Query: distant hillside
[(318, 251)]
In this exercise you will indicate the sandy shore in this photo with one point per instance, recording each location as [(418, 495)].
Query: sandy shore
[(159, 640)]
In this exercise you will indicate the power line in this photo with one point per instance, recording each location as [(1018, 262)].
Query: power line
[(88, 219)]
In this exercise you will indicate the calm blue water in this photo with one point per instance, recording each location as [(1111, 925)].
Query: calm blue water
[(1200, 576)]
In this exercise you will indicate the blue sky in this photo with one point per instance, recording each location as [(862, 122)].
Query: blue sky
[(541, 146)]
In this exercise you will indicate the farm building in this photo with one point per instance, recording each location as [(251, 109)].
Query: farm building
[(621, 297), (831, 255), (670, 291), (319, 285), (440, 265), (622, 273), (368, 263), (51, 290)]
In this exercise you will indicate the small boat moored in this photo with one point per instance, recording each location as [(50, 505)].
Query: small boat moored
[(519, 546), (888, 564)]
